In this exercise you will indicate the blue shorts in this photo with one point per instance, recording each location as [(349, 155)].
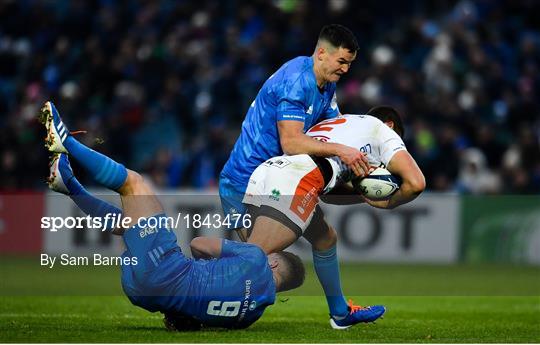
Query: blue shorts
[(159, 269), (231, 201)]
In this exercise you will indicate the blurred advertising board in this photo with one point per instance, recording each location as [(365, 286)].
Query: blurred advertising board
[(425, 230), (501, 229), (20, 216)]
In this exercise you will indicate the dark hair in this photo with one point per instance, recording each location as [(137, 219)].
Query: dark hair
[(339, 36), (295, 272), (387, 113), (179, 322)]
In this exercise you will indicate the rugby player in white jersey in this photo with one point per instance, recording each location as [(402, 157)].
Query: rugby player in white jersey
[(283, 192)]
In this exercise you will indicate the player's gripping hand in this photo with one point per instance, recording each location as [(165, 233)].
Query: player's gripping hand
[(355, 160)]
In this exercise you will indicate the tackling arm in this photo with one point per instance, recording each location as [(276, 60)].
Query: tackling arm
[(206, 247), (414, 183), (294, 141)]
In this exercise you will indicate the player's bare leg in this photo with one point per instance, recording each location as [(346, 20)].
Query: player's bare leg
[(321, 237), (271, 235), (138, 198)]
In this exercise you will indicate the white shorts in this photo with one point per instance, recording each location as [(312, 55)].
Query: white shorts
[(288, 184)]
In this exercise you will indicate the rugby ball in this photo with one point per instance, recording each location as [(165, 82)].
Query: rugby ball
[(380, 184)]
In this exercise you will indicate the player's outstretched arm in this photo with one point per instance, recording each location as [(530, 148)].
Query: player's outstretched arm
[(414, 183), (294, 141), (206, 247)]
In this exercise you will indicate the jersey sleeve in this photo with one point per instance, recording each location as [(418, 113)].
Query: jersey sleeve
[(332, 110), (390, 143), (292, 103)]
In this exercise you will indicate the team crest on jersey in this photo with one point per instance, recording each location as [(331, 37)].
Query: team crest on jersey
[(275, 194), (310, 110), (333, 104)]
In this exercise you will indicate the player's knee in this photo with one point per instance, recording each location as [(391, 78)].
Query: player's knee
[(325, 240), (331, 237), (419, 184), (133, 179), (134, 182)]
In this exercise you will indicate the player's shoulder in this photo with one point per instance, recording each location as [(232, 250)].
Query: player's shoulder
[(256, 256), (363, 118), (299, 63), (368, 125), (296, 71), (245, 249), (255, 251)]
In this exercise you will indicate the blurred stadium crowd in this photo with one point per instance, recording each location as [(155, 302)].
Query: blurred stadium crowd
[(164, 85)]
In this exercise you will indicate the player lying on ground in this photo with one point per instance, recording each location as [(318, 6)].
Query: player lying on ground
[(283, 196), (230, 292)]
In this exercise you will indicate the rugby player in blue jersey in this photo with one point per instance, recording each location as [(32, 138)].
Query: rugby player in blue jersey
[(298, 95), (231, 291)]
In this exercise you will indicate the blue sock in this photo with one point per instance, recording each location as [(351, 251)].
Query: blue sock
[(327, 268), (89, 204), (103, 169)]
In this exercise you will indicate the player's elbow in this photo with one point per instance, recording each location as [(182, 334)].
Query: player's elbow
[(417, 184), (288, 145), (197, 246), (197, 242), (205, 247)]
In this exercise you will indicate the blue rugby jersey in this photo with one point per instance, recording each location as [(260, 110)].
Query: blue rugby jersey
[(232, 291), (289, 94)]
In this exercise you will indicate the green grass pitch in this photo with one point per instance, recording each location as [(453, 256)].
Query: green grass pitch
[(426, 304)]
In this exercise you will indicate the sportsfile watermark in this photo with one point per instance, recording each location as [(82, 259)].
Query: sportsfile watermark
[(409, 251), (111, 221)]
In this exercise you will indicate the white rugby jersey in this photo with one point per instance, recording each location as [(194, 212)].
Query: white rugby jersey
[(364, 132)]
